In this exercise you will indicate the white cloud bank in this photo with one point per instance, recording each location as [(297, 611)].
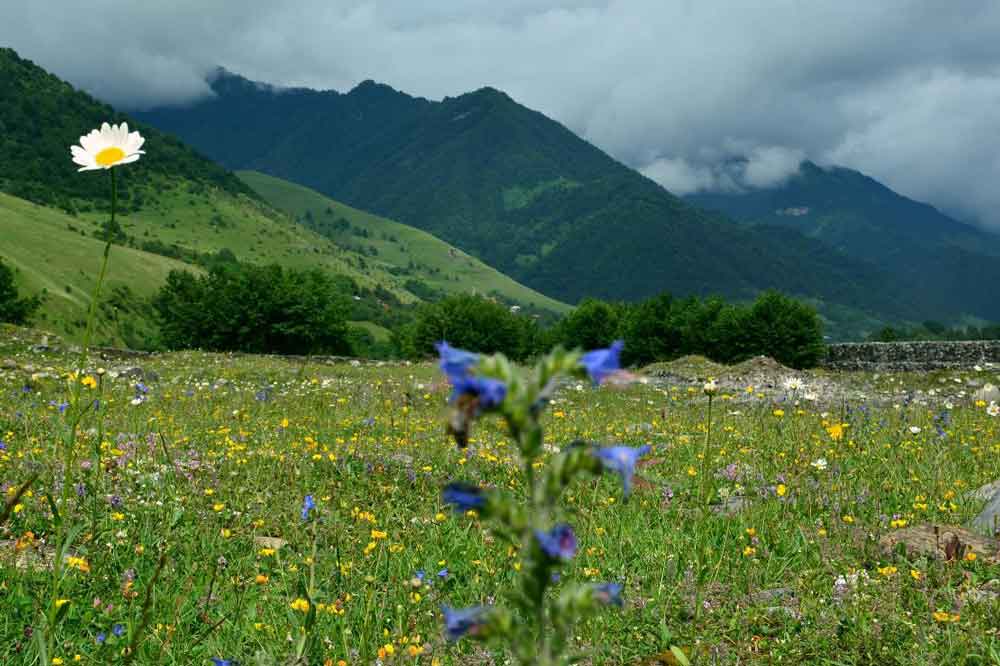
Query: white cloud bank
[(905, 90)]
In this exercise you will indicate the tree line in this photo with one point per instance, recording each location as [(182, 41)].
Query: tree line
[(236, 306)]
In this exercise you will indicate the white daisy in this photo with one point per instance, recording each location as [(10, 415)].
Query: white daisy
[(793, 384), (993, 409), (107, 147)]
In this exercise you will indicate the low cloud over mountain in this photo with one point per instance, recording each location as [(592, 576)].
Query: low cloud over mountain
[(904, 90)]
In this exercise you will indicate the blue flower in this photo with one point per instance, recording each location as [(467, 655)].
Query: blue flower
[(461, 621), (602, 362), (219, 661), (559, 543), (455, 362), (464, 496), (490, 392), (101, 637), (443, 573), (622, 460), (609, 594), (118, 630), (308, 504)]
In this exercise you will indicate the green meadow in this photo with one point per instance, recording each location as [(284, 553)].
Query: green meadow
[(189, 479)]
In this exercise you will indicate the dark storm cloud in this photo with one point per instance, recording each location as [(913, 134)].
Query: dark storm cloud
[(906, 91)]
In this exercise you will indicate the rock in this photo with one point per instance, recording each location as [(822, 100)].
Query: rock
[(986, 492), (980, 596), (730, 505), (988, 519), (402, 459), (139, 374), (269, 542), (776, 594), (938, 541), (989, 393), (8, 364)]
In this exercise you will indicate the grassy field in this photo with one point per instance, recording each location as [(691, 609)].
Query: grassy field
[(50, 253), (433, 261), (57, 252), (191, 545)]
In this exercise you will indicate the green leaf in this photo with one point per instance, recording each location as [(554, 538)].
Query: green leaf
[(679, 655)]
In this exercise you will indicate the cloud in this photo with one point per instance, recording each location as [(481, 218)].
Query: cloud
[(899, 89), (746, 167)]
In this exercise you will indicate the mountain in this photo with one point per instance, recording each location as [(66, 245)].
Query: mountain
[(949, 263), (516, 189), (41, 116), (177, 208)]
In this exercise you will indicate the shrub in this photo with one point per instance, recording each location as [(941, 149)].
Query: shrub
[(663, 328), (592, 324), (471, 322), (13, 309), (785, 329), (259, 309)]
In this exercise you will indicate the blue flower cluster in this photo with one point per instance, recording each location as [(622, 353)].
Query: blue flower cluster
[(475, 394)]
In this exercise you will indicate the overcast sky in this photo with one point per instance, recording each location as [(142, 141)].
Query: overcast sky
[(904, 90)]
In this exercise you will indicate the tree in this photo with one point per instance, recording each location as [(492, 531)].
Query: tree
[(13, 309), (259, 309), (647, 333), (785, 329), (593, 324), (472, 323)]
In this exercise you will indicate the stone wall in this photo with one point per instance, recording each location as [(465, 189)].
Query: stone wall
[(911, 356)]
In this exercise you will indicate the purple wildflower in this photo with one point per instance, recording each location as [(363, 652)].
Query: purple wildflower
[(464, 496), (559, 543), (461, 621), (455, 362), (622, 460), (490, 392), (308, 504), (600, 363), (609, 594)]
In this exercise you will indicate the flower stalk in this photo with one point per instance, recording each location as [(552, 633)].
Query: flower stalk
[(492, 385)]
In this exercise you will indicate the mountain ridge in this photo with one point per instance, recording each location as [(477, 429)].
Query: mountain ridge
[(512, 187), (948, 260)]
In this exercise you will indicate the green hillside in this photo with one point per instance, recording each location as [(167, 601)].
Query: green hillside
[(515, 189), (416, 254), (946, 262), (50, 255), (176, 208), (41, 116)]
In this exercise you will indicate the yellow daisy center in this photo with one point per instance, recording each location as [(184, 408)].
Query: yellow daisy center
[(109, 156)]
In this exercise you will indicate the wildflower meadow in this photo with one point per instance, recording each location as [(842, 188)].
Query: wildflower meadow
[(257, 510), (194, 508)]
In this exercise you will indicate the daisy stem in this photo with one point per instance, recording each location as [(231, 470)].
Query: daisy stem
[(705, 495), (69, 454)]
